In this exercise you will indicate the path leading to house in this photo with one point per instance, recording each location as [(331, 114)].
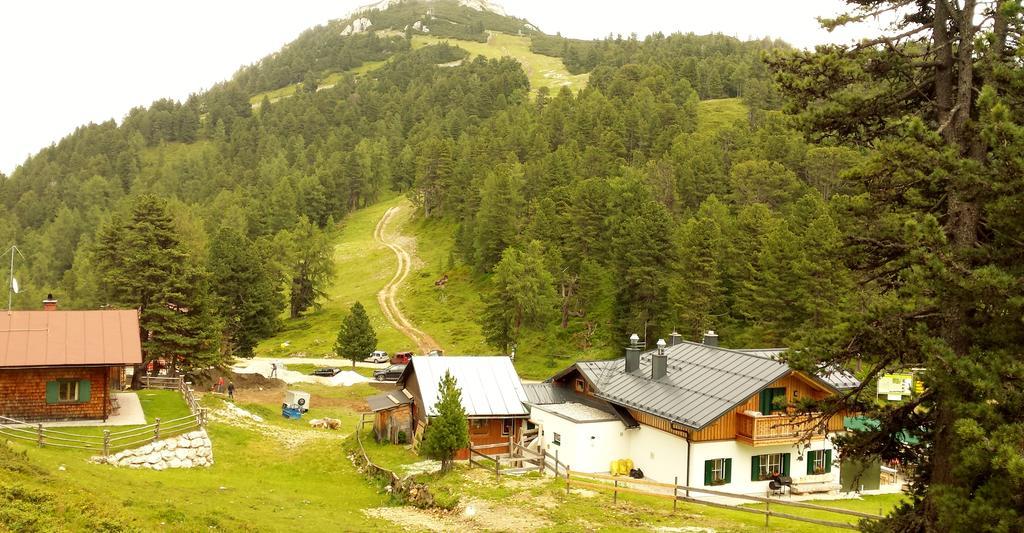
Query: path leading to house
[(388, 296)]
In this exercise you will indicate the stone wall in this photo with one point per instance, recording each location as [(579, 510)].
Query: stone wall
[(190, 450)]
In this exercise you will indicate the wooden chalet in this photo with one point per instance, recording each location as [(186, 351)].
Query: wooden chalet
[(61, 365)]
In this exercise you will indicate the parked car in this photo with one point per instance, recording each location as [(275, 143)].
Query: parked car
[(326, 372), (401, 358), (391, 373), (378, 356)]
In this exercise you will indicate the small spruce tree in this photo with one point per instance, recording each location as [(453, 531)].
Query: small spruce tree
[(356, 337), (448, 432)]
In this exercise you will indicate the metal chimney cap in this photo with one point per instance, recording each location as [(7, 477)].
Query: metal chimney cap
[(662, 344), (634, 339), (711, 332)]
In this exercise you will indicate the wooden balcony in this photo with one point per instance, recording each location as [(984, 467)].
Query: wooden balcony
[(781, 429)]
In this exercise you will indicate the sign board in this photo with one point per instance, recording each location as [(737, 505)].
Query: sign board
[(895, 386)]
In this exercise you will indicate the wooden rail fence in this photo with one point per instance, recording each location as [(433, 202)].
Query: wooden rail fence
[(114, 441), (682, 493)]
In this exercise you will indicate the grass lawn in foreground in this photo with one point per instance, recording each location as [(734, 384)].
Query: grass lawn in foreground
[(256, 483)]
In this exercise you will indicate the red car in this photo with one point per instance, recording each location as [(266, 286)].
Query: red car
[(401, 358)]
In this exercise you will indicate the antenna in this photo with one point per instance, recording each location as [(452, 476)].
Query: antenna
[(10, 281)]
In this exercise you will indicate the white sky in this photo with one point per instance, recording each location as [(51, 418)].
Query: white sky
[(66, 63)]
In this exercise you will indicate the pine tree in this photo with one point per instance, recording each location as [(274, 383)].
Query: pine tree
[(247, 293), (935, 240), (448, 431), (523, 295), (356, 338), (311, 263), (142, 265)]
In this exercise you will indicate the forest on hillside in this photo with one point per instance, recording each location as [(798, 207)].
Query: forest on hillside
[(865, 210)]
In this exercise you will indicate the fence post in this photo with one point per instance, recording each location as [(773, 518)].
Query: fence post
[(675, 493), (106, 442), (39, 432), (615, 493), (556, 463), (497, 468), (568, 472), (156, 431), (543, 461), (767, 510)]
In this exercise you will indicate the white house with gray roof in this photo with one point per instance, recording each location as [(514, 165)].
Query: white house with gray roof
[(692, 413)]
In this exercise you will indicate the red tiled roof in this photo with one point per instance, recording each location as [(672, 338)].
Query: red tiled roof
[(69, 338)]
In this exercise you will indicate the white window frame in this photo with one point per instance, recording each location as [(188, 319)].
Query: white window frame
[(819, 462), (769, 460), (67, 391), (556, 439), (718, 471)]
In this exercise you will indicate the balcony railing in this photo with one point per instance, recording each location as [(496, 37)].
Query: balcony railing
[(783, 428)]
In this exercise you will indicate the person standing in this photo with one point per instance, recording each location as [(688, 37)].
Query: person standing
[(220, 385), (273, 370), (231, 390)]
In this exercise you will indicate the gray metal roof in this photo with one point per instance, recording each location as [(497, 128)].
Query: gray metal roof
[(388, 400), (840, 378), (703, 382), (489, 384), (547, 393)]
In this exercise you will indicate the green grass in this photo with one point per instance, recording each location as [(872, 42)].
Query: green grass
[(305, 368), (255, 484), (543, 71), (363, 266), (390, 456), (574, 512)]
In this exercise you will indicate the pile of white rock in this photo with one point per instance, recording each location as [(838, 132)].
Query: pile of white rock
[(190, 450)]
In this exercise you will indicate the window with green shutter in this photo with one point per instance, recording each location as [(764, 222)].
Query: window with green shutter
[(52, 391), (717, 471), (772, 400), (84, 391), (766, 466), (819, 462)]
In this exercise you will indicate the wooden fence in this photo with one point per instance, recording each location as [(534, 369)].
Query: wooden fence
[(161, 382), (114, 441), (105, 444), (514, 462), (678, 493)]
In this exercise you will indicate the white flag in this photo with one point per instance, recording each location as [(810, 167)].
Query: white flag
[(14, 285)]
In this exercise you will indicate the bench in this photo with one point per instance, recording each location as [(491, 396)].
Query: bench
[(814, 484)]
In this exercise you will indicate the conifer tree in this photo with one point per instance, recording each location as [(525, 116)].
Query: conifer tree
[(523, 295), (935, 240), (311, 264), (247, 293), (356, 338), (448, 431), (142, 265)]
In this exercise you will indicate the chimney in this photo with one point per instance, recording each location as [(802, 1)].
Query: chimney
[(675, 338), (633, 354), (659, 362), (710, 338), (50, 303)]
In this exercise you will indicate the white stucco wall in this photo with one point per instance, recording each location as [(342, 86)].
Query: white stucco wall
[(590, 447), (587, 447)]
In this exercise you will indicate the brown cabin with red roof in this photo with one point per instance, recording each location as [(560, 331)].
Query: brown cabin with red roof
[(62, 365)]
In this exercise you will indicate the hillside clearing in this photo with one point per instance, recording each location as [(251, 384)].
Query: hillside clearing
[(363, 266), (543, 71)]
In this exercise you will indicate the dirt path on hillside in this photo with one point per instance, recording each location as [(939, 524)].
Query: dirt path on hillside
[(388, 296)]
